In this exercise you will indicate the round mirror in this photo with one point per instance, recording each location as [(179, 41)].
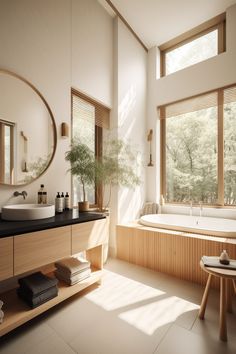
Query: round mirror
[(27, 131)]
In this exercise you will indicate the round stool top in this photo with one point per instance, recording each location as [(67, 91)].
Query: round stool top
[(219, 272)]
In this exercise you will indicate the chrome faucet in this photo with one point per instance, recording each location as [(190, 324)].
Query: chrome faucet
[(191, 208), (23, 193), (200, 205)]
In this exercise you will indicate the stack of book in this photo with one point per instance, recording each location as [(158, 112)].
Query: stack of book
[(37, 288), (72, 270), (1, 312)]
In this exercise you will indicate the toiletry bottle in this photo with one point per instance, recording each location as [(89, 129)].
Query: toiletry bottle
[(224, 258), (63, 200), (58, 202), (45, 197), (67, 201), (40, 194)]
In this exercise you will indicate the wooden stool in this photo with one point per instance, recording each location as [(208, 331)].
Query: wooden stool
[(225, 276)]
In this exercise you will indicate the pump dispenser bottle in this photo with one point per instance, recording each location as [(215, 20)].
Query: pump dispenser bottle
[(58, 203)]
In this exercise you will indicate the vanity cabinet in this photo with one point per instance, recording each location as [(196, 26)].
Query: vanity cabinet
[(37, 249), (88, 235), (6, 258)]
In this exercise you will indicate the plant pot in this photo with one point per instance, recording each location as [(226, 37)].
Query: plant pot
[(83, 206)]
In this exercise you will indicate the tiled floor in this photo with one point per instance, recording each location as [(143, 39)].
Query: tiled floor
[(134, 311)]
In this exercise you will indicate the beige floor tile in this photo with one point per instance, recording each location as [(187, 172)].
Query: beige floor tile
[(181, 341), (25, 338), (51, 345)]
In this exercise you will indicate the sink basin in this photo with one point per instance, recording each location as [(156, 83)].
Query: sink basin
[(20, 212)]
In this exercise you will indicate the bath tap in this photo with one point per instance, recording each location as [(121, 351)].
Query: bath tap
[(200, 205), (23, 193)]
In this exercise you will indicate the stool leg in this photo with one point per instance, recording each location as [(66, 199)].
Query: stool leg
[(204, 298), (229, 296), (223, 325)]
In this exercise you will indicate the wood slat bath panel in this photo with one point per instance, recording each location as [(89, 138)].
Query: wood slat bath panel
[(174, 253)]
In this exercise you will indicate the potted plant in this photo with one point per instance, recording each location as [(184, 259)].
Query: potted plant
[(117, 166), (82, 162)]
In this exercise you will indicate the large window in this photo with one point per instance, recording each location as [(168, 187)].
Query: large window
[(89, 119), (199, 44), (199, 149)]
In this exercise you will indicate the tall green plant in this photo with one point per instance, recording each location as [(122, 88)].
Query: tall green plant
[(83, 164), (116, 167)]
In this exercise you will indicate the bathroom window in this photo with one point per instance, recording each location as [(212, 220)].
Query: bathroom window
[(197, 45), (6, 152), (199, 149), (90, 120)]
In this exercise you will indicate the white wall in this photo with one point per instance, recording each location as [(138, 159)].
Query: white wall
[(43, 42), (129, 115), (92, 50), (208, 75)]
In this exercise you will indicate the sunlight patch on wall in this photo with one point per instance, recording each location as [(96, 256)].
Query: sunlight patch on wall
[(126, 105)]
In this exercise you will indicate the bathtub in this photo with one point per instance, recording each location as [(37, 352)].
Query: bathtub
[(195, 224)]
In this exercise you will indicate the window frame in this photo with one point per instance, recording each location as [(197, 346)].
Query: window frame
[(11, 125), (220, 143), (98, 139), (216, 23)]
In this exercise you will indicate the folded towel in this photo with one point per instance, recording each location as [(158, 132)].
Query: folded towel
[(72, 265), (68, 274), (37, 283), (214, 262), (40, 299), (73, 279)]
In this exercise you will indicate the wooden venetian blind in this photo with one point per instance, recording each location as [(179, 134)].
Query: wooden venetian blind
[(197, 103), (102, 113)]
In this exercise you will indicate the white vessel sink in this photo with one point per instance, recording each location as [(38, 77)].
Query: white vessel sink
[(20, 212)]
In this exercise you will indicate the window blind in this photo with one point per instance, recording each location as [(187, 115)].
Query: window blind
[(102, 113), (197, 103)]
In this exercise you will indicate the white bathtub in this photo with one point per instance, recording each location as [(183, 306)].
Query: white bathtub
[(195, 224)]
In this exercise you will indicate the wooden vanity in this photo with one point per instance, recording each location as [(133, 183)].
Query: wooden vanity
[(30, 251)]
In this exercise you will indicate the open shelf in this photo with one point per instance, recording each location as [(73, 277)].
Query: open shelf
[(17, 312)]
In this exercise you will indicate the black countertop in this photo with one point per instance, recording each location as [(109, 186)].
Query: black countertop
[(12, 228)]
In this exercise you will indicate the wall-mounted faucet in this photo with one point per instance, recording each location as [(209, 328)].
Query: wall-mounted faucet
[(23, 193)]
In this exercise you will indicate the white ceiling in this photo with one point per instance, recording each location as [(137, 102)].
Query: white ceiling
[(158, 21)]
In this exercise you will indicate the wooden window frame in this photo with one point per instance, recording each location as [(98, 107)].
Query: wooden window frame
[(216, 23), (220, 143), (98, 139), (2, 151)]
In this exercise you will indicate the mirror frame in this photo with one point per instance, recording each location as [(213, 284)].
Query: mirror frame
[(8, 72)]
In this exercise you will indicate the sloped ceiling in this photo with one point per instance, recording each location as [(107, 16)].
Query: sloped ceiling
[(158, 21)]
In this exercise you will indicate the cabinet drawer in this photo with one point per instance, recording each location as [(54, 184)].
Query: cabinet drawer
[(6, 257), (89, 234), (36, 249)]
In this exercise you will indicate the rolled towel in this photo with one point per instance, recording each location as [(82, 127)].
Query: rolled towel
[(1, 316), (1, 304), (72, 265)]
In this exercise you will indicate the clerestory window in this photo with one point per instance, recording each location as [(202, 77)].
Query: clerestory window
[(197, 45)]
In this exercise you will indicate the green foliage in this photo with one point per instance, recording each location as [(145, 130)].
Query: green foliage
[(82, 163), (117, 166), (192, 153)]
